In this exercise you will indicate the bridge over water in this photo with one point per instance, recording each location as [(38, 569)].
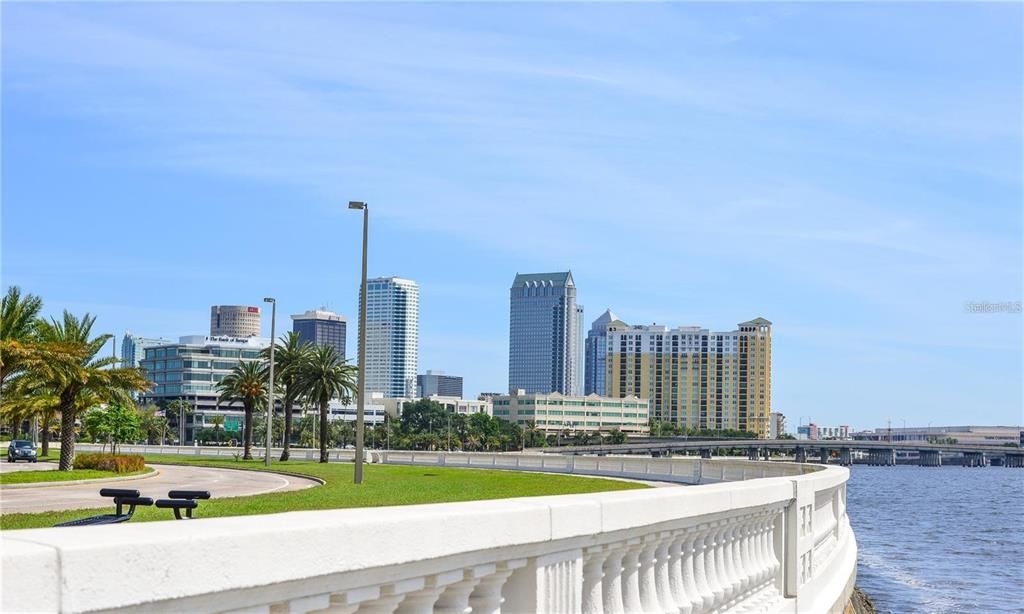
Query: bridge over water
[(878, 452)]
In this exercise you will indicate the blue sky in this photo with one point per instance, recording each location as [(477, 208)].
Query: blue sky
[(851, 172)]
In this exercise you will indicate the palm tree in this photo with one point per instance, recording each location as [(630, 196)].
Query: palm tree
[(183, 408), (323, 376), (17, 330), (80, 376), (247, 384), (289, 355), (217, 422)]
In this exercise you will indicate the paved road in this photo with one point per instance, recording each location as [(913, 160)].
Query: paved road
[(221, 483), (6, 467)]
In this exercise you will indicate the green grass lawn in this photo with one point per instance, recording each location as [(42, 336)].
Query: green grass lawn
[(28, 477), (383, 485)]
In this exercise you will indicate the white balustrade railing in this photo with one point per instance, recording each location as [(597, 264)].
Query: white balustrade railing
[(779, 541)]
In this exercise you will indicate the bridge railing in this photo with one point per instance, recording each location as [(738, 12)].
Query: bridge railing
[(779, 543)]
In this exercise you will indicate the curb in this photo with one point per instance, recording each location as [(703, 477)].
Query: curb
[(319, 481), (150, 474)]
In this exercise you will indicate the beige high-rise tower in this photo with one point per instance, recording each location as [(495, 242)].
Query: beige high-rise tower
[(695, 377)]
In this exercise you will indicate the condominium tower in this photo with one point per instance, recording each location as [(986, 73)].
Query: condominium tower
[(321, 327), (542, 355), (392, 336), (238, 321), (694, 377)]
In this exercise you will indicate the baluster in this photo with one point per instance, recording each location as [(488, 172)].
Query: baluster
[(647, 580), (691, 567), (710, 569), (733, 563), (677, 573), (611, 582), (593, 571), (390, 596), (422, 601), (347, 602), (744, 563), (662, 563), (631, 577), (721, 574), (455, 598), (764, 547), (486, 597)]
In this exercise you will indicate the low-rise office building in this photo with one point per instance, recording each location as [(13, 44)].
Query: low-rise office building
[(556, 412), (190, 370), (814, 432), (967, 435)]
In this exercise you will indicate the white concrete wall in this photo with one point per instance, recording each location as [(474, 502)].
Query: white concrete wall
[(772, 544)]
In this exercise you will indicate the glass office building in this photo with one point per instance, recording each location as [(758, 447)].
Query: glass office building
[(191, 369), (392, 336), (543, 334)]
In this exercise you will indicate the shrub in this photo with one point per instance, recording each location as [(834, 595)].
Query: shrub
[(118, 463)]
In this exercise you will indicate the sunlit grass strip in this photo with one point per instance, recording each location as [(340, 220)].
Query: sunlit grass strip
[(31, 477), (384, 485)]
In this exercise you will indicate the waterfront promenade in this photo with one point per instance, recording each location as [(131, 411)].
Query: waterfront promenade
[(746, 536)]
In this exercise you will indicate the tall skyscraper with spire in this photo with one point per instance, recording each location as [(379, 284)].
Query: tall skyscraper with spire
[(543, 334)]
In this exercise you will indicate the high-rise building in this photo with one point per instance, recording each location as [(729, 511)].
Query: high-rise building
[(596, 348), (776, 425), (694, 377), (321, 327), (237, 321), (437, 383), (133, 348), (392, 336), (580, 362), (543, 333)]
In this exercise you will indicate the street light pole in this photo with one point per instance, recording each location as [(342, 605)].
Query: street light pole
[(270, 386), (361, 398)]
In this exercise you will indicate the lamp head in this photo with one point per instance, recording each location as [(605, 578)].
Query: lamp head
[(356, 204)]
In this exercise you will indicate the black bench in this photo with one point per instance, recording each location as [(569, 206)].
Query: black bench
[(183, 500), (122, 497)]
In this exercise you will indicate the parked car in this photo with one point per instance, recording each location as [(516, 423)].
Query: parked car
[(21, 449)]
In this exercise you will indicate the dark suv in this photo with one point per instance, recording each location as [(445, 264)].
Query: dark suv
[(21, 449)]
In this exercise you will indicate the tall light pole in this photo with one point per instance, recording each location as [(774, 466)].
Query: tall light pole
[(270, 386), (361, 385)]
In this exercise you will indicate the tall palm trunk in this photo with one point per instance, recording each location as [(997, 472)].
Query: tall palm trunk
[(67, 438), (47, 419), (323, 430), (286, 447), (247, 435)]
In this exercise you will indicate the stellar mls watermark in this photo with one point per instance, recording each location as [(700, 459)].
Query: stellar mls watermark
[(988, 307)]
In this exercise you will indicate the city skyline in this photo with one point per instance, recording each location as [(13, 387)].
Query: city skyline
[(726, 163)]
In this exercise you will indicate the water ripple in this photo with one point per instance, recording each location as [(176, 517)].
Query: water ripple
[(939, 540)]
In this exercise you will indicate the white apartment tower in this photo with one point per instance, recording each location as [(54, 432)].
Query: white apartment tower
[(392, 336)]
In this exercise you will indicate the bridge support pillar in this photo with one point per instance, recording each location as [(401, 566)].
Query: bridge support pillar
[(890, 457), (752, 453), (767, 453), (974, 459), (823, 455), (1013, 460), (845, 457), (705, 452), (801, 454), (930, 458)]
